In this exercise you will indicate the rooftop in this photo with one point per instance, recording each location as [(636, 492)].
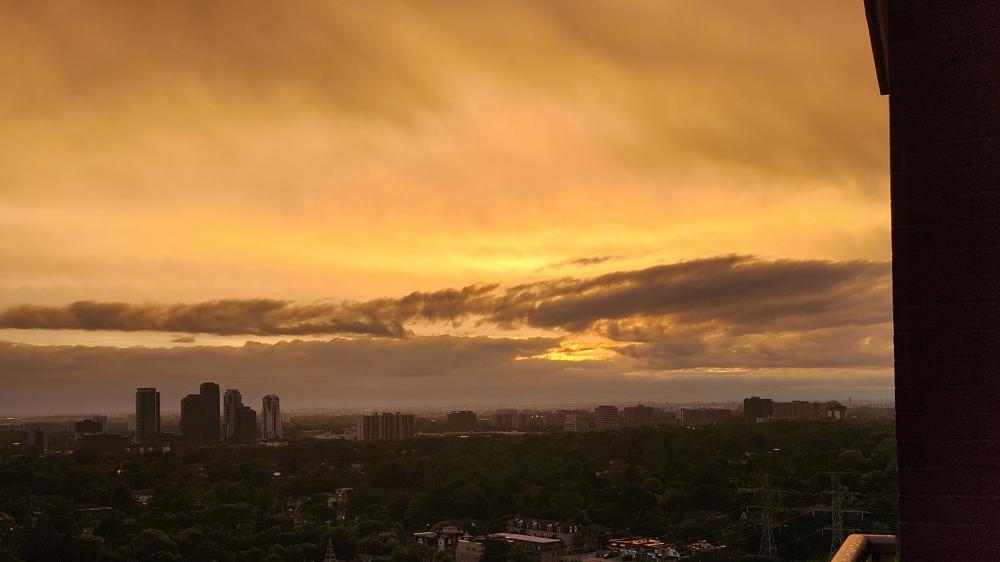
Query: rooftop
[(525, 538)]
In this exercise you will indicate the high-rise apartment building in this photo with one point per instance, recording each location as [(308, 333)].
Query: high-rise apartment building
[(638, 415), (606, 418), (704, 416), (755, 408), (387, 426), (462, 420), (147, 414), (271, 410), (245, 430), (192, 422), (505, 420), (231, 403), (210, 423)]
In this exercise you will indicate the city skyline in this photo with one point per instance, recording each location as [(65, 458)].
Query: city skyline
[(548, 207)]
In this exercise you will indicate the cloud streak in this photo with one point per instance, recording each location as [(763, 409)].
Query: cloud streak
[(728, 311), (739, 294)]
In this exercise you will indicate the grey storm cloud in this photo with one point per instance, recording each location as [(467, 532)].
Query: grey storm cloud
[(223, 317), (730, 294)]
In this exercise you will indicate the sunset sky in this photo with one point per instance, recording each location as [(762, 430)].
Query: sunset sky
[(368, 204)]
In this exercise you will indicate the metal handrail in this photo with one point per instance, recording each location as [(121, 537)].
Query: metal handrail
[(861, 548)]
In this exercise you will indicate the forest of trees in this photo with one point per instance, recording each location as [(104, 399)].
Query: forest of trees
[(270, 503)]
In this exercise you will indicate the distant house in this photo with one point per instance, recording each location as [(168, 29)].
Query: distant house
[(442, 540), (644, 547), (572, 535), (538, 549)]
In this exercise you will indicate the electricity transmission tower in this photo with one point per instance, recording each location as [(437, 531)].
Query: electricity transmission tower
[(837, 494), (330, 555), (836, 512), (767, 522)]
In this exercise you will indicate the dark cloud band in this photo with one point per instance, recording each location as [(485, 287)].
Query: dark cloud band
[(729, 294)]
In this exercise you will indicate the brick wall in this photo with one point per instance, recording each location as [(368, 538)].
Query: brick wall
[(944, 84)]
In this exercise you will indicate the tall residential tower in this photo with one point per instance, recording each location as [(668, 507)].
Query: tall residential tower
[(231, 403), (147, 414), (209, 393), (272, 418)]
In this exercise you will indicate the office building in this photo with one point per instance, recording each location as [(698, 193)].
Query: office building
[(231, 403), (462, 420), (210, 422), (192, 420), (147, 414), (606, 418), (756, 408), (386, 426), (638, 415), (271, 410)]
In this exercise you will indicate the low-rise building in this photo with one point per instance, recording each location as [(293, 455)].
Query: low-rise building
[(481, 549), (644, 547), (573, 535), (444, 539), (538, 549)]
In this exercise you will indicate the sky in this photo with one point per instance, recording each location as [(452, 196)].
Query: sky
[(387, 204)]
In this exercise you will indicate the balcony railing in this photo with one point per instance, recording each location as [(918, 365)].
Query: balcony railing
[(864, 548)]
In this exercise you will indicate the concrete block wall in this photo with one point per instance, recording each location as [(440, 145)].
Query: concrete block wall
[(944, 97)]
